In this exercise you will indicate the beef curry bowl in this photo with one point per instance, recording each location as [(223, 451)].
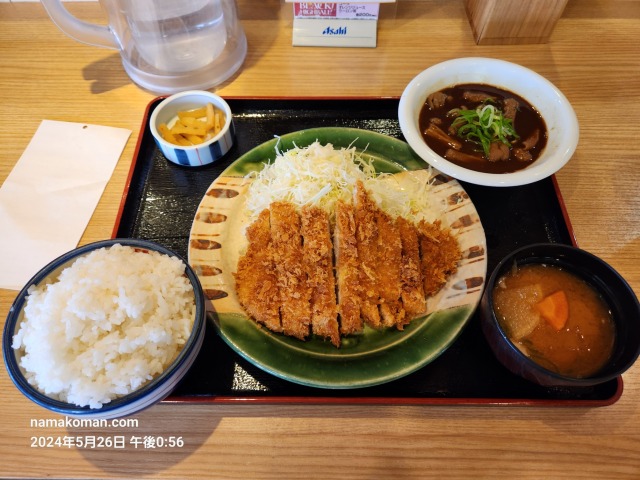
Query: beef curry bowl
[(488, 122), (483, 128)]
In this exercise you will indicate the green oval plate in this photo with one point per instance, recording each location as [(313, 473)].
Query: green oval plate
[(371, 358)]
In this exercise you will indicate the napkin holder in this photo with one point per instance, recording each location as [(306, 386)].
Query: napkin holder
[(511, 22)]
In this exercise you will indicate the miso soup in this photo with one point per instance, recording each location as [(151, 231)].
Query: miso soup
[(556, 318)]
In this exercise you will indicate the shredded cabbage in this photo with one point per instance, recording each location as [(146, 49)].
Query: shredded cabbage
[(322, 175)]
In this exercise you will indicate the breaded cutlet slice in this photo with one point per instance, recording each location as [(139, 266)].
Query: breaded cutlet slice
[(440, 254), (389, 269), (256, 279), (295, 294), (412, 288), (318, 254), (367, 244), (347, 271)]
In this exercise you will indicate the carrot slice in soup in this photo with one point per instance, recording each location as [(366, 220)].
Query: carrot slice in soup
[(554, 309)]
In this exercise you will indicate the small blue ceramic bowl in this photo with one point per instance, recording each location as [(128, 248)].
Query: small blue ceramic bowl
[(203, 153), (147, 395), (599, 275)]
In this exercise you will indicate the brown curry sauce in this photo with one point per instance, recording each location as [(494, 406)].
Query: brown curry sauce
[(527, 121)]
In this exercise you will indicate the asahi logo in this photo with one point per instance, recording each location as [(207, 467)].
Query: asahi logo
[(334, 31)]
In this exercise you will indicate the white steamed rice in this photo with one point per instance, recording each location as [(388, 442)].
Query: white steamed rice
[(111, 322)]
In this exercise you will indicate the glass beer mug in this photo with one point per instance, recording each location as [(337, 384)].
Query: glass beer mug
[(166, 45)]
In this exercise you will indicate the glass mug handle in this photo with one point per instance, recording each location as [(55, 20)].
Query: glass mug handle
[(77, 29)]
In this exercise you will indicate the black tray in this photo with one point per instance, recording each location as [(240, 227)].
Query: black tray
[(159, 204)]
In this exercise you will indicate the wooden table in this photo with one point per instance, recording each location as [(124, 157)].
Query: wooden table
[(592, 57)]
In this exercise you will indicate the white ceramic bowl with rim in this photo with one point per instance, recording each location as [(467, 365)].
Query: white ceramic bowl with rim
[(203, 153), (145, 396), (553, 106)]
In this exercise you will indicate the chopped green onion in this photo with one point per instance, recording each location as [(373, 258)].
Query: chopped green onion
[(484, 125)]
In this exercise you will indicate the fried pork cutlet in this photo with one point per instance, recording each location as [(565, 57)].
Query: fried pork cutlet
[(347, 271), (256, 280), (439, 252), (411, 285), (297, 279), (295, 294), (318, 255), (389, 270), (368, 254)]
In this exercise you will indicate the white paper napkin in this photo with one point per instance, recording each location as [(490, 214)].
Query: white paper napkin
[(51, 193)]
